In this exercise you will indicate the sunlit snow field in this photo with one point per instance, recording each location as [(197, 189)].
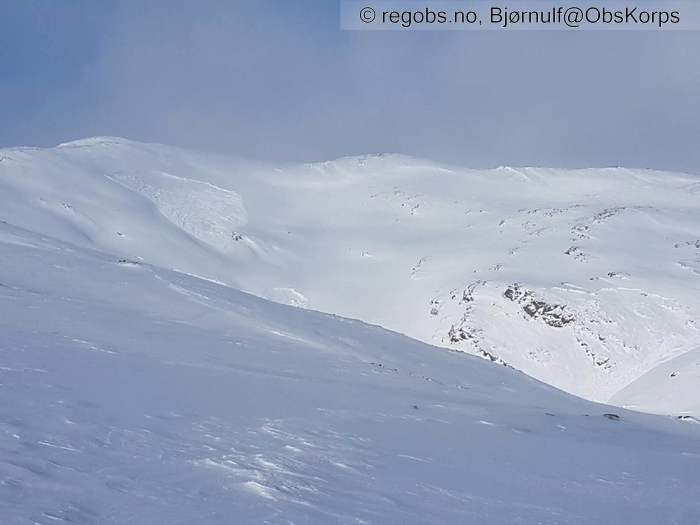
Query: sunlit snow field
[(139, 385)]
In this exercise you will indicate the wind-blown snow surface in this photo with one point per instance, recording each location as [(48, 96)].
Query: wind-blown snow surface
[(135, 394), (587, 279)]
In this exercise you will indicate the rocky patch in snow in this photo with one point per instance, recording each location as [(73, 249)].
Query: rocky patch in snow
[(553, 315)]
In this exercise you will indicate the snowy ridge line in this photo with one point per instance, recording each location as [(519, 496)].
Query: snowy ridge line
[(398, 242)]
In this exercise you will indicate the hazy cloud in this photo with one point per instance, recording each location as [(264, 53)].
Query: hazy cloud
[(279, 80)]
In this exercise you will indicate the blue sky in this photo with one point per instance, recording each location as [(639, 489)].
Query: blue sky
[(279, 80)]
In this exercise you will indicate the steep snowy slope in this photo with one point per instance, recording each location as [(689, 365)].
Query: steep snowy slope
[(135, 394), (585, 279)]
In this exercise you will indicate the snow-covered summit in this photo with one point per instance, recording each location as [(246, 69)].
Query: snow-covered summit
[(585, 279), (97, 141)]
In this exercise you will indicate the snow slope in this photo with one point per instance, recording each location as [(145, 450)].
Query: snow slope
[(136, 394), (587, 279)]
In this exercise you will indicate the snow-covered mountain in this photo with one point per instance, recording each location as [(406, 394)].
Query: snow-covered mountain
[(587, 279), (134, 394)]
